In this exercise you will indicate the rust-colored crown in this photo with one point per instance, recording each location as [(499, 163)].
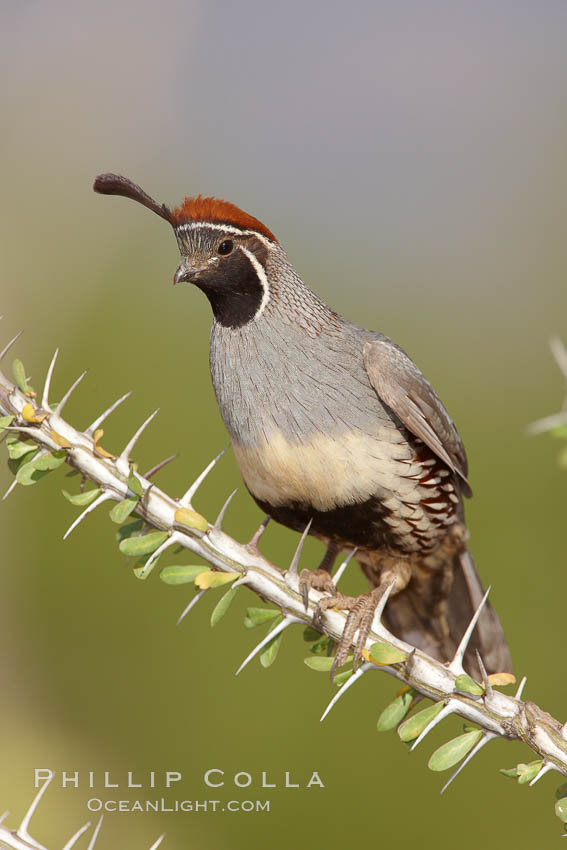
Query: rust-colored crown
[(212, 210), (217, 211)]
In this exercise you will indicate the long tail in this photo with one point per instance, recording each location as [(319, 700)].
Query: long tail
[(435, 621)]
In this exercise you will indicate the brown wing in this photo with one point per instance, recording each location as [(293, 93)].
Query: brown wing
[(403, 388)]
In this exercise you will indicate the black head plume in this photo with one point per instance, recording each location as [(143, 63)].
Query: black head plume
[(115, 184)]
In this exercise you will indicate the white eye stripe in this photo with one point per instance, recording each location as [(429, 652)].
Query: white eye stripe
[(224, 228), (260, 271)]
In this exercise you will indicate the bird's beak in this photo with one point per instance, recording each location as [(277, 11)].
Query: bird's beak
[(185, 273)]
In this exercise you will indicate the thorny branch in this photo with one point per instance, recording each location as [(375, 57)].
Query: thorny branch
[(497, 715), (21, 839)]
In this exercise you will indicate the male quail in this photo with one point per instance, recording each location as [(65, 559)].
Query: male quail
[(334, 424)]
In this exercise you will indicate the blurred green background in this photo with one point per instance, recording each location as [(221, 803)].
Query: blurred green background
[(411, 158)]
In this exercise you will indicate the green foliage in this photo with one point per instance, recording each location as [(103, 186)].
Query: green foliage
[(414, 726), (81, 500), (143, 544), (449, 754), (395, 712), (122, 510), (524, 773), (222, 606), (258, 616), (383, 654), (466, 685), (178, 574)]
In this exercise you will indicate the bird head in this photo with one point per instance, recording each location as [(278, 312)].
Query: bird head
[(225, 252)]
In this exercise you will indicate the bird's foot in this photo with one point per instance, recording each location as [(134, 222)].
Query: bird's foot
[(318, 579)]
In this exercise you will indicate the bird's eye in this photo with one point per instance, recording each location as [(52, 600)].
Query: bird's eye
[(225, 247)]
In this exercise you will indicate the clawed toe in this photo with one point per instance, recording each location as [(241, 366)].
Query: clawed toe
[(360, 617), (318, 580)]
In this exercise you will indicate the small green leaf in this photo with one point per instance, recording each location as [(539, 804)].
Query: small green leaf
[(560, 432), (466, 685), (35, 469), (394, 713), (414, 725), (134, 482), (259, 616), (561, 809), (310, 634), (320, 663), (383, 653), (270, 653), (20, 376), (527, 772), (222, 606), (135, 546), (324, 646), (81, 500), (122, 510), (341, 678), (5, 421), (453, 751), (129, 530), (49, 462), (17, 448), (524, 772), (27, 474), (177, 574), (213, 578)]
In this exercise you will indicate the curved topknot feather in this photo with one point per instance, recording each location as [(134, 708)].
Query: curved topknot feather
[(196, 209)]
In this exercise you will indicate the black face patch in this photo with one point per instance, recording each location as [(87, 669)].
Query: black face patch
[(231, 282)]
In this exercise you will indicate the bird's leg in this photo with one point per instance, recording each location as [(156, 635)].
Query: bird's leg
[(319, 579), (361, 611)]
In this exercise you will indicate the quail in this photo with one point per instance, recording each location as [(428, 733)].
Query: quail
[(334, 425)]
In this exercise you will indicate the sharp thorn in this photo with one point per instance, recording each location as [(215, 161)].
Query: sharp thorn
[(92, 428), (447, 709), (193, 602), (94, 836), (47, 385), (73, 840), (7, 348), (258, 533), (239, 582), (104, 497), (382, 603), (4, 815), (68, 394), (185, 501), (143, 572), (122, 461), (348, 684), (10, 488), (456, 665), (22, 830), (219, 519), (521, 686), (545, 768), (489, 736), (292, 571), (559, 353), (159, 466), (287, 621), (156, 844), (340, 571), (486, 681)]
